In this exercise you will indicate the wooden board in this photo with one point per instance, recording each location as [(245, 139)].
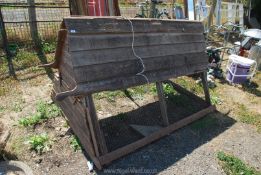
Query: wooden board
[(104, 53), (96, 25)]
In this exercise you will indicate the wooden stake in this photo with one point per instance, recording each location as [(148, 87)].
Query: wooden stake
[(203, 76), (163, 106)]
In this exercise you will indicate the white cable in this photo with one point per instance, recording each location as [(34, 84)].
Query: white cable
[(135, 54)]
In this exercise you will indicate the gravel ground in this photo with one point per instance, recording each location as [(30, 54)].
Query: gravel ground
[(189, 151)]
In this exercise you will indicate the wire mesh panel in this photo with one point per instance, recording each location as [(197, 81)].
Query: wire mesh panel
[(18, 21), (143, 10)]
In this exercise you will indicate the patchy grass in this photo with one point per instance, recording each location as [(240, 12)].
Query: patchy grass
[(7, 85), (234, 166), (39, 143), (138, 92), (18, 105), (190, 84), (249, 117), (25, 59), (44, 111), (17, 145), (109, 95), (75, 143)]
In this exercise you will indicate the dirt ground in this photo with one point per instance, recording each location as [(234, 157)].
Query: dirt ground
[(190, 150)]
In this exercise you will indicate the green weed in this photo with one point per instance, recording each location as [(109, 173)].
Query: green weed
[(32, 120), (234, 166), (39, 143), (141, 90), (2, 109), (48, 47), (75, 143), (44, 111), (215, 100), (249, 117)]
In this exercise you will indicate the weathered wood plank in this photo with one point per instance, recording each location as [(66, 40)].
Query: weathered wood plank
[(97, 42), (154, 136), (123, 54), (96, 25), (76, 121), (96, 126), (126, 82), (163, 105), (128, 68)]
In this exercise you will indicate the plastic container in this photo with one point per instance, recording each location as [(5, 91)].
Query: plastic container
[(239, 69)]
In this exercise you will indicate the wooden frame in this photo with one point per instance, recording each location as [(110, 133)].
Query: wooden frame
[(90, 59), (103, 157)]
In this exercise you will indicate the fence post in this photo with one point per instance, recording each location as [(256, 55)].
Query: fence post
[(33, 23), (5, 45)]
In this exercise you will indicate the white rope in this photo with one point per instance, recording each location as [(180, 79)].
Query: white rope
[(136, 55)]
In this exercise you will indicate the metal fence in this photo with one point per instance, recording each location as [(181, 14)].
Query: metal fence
[(29, 24), (21, 20)]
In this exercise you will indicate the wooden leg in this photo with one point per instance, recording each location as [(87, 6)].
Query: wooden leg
[(98, 134), (163, 106), (203, 76)]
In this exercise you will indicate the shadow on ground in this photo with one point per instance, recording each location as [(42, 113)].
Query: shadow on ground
[(167, 151), (252, 88)]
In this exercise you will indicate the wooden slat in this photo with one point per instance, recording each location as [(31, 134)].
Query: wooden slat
[(153, 137), (123, 54), (97, 42), (163, 105), (76, 121), (96, 126), (92, 129), (94, 25), (78, 108), (126, 82), (77, 117), (128, 68)]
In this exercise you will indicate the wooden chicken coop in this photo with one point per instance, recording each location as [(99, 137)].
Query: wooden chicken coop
[(97, 54)]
